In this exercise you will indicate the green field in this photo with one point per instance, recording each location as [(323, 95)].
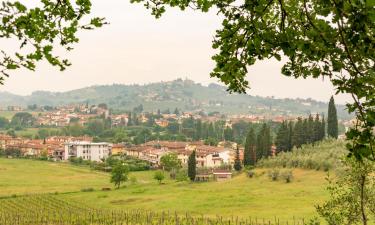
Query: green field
[(242, 196), (7, 114), (21, 176)]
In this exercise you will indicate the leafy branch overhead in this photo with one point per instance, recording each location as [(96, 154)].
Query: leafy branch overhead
[(316, 38), (39, 29)]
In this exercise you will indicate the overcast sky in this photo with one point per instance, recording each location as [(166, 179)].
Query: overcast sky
[(137, 48)]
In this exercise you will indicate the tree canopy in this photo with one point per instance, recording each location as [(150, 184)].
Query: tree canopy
[(316, 38), (38, 29)]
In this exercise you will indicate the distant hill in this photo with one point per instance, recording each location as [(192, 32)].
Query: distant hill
[(183, 94)]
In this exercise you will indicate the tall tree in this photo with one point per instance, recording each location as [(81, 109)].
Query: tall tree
[(290, 136), (298, 136), (310, 129), (332, 122), (323, 129), (249, 151), (282, 137), (317, 129), (237, 160), (192, 166), (264, 142)]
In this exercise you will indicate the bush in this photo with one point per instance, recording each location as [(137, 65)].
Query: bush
[(87, 189), (181, 175), (287, 175), (159, 176), (250, 174), (274, 174)]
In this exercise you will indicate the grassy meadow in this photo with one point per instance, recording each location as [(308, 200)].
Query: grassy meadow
[(23, 176), (242, 196)]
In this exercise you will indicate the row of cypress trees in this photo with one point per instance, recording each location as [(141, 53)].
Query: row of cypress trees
[(258, 145), (290, 134), (304, 131)]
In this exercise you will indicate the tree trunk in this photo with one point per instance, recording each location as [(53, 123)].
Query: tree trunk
[(363, 209)]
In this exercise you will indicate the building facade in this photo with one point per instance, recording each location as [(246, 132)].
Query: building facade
[(87, 150)]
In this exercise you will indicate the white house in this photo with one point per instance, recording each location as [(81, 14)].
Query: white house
[(87, 150)]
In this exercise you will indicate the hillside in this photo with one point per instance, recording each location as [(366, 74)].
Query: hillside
[(183, 94)]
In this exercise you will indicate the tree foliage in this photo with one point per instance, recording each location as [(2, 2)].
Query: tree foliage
[(22, 119), (237, 161), (119, 174), (192, 166), (264, 142), (38, 29), (332, 129), (249, 151), (170, 161), (352, 195), (317, 38), (159, 176)]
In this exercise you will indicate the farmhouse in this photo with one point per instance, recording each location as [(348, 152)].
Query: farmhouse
[(87, 150)]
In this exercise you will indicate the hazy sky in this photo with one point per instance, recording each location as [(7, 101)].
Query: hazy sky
[(137, 48)]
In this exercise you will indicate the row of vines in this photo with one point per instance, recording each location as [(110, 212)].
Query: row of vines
[(53, 210)]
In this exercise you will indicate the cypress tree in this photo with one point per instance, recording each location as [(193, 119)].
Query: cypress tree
[(323, 129), (259, 148), (237, 161), (264, 142), (305, 135), (332, 122), (310, 130), (282, 138), (249, 152), (297, 138), (290, 135), (192, 166), (317, 129), (267, 141)]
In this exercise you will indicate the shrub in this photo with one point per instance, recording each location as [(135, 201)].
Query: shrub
[(181, 175), (87, 189), (274, 174), (159, 176), (250, 174), (287, 175)]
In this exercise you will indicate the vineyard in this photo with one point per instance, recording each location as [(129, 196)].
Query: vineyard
[(53, 210)]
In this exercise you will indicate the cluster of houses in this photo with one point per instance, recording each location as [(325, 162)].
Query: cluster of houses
[(63, 148), (63, 115), (52, 147)]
